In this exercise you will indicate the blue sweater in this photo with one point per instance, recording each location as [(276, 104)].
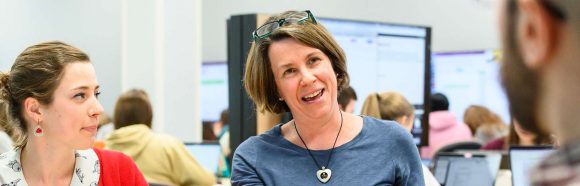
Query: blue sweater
[(383, 153)]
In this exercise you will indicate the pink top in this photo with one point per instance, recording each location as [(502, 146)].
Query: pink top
[(496, 144), (444, 129)]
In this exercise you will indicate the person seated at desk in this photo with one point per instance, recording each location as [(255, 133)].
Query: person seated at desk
[(221, 130), (444, 128), (518, 135), (347, 100), (485, 125), (161, 158)]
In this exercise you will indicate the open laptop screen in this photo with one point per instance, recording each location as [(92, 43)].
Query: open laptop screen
[(207, 154), (457, 169), (522, 159)]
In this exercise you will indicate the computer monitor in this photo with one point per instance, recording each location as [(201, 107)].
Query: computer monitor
[(470, 78), (207, 154), (523, 159), (453, 169), (495, 158), (214, 90), (386, 57)]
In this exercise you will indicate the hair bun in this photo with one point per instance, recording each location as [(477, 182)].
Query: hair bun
[(4, 88)]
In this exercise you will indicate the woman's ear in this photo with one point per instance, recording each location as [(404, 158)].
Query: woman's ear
[(537, 33), (32, 109)]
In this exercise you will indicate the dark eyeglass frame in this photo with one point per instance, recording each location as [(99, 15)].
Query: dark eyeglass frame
[(279, 23)]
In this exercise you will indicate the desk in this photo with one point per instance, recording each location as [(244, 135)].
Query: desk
[(503, 178), (224, 182)]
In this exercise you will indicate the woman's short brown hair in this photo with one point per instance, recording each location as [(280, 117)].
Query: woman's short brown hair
[(36, 73), (259, 79), (133, 107)]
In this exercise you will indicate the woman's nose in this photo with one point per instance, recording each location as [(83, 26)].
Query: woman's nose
[(308, 78), (96, 109)]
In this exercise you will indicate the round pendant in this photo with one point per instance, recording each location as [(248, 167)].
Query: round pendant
[(323, 175)]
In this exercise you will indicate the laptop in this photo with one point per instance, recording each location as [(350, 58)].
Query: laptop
[(458, 169), (524, 158), (207, 154), (498, 159)]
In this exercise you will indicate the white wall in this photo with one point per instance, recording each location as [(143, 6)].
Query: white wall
[(149, 44), (162, 54), (183, 68), (93, 26), (457, 24)]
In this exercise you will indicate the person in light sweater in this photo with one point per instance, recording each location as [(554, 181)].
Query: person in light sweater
[(161, 158)]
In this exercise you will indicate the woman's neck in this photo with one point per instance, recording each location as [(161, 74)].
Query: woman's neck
[(321, 135), (47, 164), (309, 127)]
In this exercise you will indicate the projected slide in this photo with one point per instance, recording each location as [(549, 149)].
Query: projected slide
[(382, 57), (214, 90), (468, 78), (385, 57)]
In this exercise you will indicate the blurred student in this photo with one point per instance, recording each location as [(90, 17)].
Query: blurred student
[(520, 136), (394, 106), (484, 124), (161, 158), (221, 130), (105, 127), (347, 99), (444, 128)]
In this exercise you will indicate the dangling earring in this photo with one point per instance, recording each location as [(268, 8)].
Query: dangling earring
[(38, 132), (280, 99)]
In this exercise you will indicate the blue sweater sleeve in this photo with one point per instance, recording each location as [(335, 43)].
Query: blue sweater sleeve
[(244, 170), (409, 168)]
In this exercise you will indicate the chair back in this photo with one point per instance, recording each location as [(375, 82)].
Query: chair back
[(458, 146)]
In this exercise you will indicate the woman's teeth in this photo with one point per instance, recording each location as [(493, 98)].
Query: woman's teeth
[(313, 94)]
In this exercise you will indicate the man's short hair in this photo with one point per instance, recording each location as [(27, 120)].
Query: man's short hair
[(346, 95), (439, 102)]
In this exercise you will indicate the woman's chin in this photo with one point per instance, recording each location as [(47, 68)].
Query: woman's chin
[(87, 145)]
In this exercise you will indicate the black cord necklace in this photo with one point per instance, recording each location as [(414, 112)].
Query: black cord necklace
[(324, 173)]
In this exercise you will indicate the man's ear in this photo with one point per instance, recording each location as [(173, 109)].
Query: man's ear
[(32, 109), (537, 33)]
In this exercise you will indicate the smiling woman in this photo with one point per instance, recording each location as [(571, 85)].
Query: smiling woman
[(51, 92), (295, 66)]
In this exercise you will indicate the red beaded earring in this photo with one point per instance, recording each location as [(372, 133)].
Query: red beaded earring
[(38, 130)]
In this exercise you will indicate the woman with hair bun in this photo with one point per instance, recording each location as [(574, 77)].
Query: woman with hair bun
[(51, 94)]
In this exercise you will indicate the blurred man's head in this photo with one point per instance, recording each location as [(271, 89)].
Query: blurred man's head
[(347, 100), (541, 64), (133, 107), (439, 102)]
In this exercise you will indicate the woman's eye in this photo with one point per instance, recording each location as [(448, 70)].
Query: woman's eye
[(97, 94), (80, 96), (289, 71), (313, 60)]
